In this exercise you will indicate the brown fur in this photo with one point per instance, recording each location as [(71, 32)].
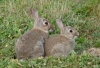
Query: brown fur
[(31, 44), (59, 44), (62, 44)]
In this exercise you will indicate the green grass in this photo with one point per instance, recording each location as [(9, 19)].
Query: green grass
[(84, 15)]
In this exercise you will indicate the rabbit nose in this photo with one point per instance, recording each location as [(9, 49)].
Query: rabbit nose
[(53, 27), (77, 34)]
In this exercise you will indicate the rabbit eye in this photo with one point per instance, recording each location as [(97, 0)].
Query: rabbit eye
[(46, 23), (71, 31)]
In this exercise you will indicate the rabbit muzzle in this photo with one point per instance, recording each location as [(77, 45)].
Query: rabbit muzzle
[(52, 27), (76, 35)]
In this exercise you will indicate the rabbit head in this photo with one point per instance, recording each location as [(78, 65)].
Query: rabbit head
[(41, 23), (67, 31)]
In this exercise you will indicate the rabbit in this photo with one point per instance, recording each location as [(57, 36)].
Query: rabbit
[(31, 43), (63, 43), (94, 51)]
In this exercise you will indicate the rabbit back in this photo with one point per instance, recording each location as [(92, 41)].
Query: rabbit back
[(31, 44)]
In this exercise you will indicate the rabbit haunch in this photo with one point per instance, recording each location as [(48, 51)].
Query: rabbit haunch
[(58, 49), (28, 46)]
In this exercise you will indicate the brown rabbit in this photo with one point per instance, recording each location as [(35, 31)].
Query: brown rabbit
[(94, 51), (31, 43), (62, 44)]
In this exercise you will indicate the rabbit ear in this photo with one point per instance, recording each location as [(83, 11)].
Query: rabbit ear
[(34, 13), (59, 23)]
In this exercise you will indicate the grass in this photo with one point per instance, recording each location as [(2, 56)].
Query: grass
[(84, 15)]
